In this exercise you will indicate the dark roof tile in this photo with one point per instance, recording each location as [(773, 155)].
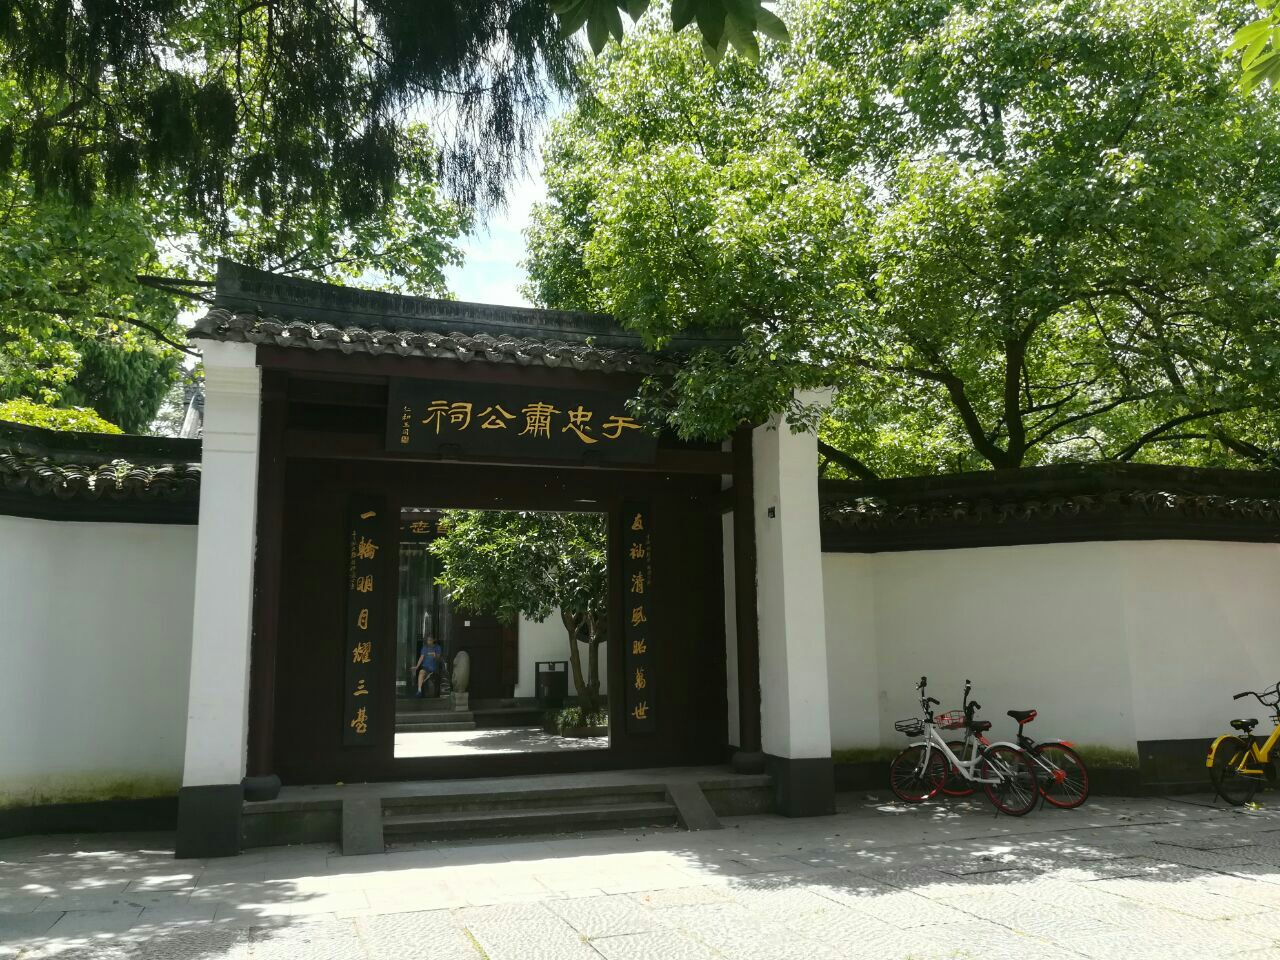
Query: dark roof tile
[(251, 306), (81, 466)]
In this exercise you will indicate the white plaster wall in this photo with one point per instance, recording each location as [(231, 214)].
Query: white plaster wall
[(853, 682), (1038, 626), (1112, 642), (1203, 620), (95, 637), (550, 641)]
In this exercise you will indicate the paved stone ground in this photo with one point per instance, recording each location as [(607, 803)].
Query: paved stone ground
[(1117, 879), (465, 743)]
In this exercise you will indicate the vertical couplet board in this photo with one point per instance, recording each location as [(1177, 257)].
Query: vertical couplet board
[(364, 612), (638, 635)]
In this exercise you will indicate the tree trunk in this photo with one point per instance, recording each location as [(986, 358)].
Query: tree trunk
[(586, 694), (593, 670)]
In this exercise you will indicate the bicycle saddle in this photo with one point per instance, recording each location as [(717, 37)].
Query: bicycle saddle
[(978, 726), (1023, 716), (1244, 725)]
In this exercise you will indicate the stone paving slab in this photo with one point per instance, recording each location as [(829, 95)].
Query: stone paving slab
[(1117, 879)]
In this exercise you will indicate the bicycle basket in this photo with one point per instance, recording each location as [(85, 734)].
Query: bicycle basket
[(912, 728), (951, 720)]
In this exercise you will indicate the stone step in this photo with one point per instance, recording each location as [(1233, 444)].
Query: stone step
[(543, 798), (510, 717), (436, 716), (426, 705), (501, 823), (402, 727)]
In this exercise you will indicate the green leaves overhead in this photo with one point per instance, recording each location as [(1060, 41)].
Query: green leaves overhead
[(1007, 232), (278, 103), (1258, 44), (722, 23)]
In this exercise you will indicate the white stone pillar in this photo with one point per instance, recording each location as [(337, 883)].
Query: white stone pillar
[(794, 713), (218, 698)]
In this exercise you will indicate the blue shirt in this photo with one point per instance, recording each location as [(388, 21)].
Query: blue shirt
[(430, 654)]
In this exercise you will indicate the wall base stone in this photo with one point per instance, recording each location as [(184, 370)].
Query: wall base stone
[(802, 788), (209, 821)]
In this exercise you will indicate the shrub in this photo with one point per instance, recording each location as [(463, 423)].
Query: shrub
[(572, 717), (71, 419)]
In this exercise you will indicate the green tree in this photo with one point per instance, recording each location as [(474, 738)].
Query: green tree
[(1258, 44), (91, 296), (55, 418), (1008, 233), (508, 564), (141, 140), (299, 102)]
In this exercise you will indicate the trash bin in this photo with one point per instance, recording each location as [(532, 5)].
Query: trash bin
[(551, 679)]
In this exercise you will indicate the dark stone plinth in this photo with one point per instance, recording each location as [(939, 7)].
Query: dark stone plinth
[(804, 787), (209, 821), (362, 826)]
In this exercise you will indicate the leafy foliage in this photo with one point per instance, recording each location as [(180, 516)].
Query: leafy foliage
[(75, 419), (1258, 43), (721, 22), (289, 104), (85, 319), (574, 718), (76, 327), (508, 563), (1008, 233)]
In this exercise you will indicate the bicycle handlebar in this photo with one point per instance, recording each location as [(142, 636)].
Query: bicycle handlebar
[(1269, 698)]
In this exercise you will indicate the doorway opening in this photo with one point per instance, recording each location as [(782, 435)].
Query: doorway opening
[(501, 632)]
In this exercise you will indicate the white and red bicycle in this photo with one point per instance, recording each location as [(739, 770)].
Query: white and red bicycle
[(1005, 770)]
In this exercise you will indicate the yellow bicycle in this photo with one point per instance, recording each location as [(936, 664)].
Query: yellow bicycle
[(1237, 764)]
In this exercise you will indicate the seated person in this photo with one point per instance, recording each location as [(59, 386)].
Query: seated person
[(430, 656)]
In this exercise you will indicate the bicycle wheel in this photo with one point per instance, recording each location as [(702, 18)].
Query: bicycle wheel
[(914, 779), (957, 784), (1016, 790), (1229, 782), (1064, 779)]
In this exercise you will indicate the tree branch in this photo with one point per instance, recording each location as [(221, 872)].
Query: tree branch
[(154, 331), (848, 461), (1132, 449)]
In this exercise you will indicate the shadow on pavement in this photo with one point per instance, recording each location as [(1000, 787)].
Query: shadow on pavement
[(1117, 878)]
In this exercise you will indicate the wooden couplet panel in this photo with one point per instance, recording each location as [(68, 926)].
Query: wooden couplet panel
[(503, 420), (363, 648), (637, 622)]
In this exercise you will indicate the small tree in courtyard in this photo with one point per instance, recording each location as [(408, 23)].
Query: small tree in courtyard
[(508, 563)]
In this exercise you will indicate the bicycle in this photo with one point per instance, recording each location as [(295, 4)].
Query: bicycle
[(1004, 769), (1237, 765), (1061, 774)]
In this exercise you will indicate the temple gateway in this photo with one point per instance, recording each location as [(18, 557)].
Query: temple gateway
[(336, 614)]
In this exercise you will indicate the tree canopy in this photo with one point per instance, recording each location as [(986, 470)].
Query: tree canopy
[(142, 139), (297, 103), (90, 296), (1007, 232), (509, 563)]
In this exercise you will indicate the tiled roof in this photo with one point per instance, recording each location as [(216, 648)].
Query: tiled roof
[(1045, 504), (97, 467), (876, 513), (221, 324), (263, 308)]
